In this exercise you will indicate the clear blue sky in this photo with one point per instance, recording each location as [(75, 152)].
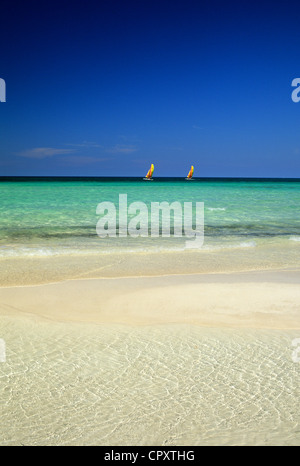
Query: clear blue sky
[(108, 87)]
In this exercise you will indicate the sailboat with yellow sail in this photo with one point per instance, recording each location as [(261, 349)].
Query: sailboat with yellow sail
[(148, 177), (190, 173)]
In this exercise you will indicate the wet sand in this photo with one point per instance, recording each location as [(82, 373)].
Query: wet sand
[(34, 270), (250, 299)]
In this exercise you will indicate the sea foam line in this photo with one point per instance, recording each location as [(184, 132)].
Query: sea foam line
[(295, 238)]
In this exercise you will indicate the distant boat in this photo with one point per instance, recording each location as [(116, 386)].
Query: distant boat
[(148, 177), (190, 174)]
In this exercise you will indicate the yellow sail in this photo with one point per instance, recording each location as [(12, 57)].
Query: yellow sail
[(191, 172), (150, 172)]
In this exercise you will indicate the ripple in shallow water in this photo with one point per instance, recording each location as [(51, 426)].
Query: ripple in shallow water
[(66, 384)]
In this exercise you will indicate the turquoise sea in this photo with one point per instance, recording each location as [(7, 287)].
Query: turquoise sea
[(57, 216)]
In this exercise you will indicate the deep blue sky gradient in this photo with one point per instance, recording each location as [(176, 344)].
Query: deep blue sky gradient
[(106, 88)]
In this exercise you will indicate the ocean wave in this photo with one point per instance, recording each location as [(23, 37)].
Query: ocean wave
[(247, 244), (104, 249), (295, 238), (219, 247), (216, 208), (23, 252), (30, 252)]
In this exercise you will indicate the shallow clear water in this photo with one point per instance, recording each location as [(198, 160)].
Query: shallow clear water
[(65, 384), (58, 216)]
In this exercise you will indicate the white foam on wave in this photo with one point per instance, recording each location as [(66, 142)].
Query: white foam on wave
[(116, 248), (216, 208), (295, 238), (219, 247), (47, 252), (18, 252), (27, 252), (247, 244)]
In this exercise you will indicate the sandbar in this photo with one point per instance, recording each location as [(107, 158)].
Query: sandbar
[(259, 299)]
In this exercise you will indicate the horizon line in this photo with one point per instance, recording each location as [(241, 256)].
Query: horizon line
[(2, 177)]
